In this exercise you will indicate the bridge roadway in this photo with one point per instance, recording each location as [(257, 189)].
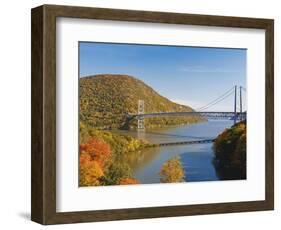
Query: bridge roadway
[(186, 142), (205, 114)]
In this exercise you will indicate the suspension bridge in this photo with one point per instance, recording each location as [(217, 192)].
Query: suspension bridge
[(236, 115)]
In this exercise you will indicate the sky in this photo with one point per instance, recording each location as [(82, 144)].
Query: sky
[(192, 76)]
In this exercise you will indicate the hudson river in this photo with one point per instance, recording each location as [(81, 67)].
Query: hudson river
[(196, 159)]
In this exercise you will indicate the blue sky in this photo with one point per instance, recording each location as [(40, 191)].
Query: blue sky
[(188, 75)]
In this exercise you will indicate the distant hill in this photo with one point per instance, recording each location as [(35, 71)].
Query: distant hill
[(106, 98)]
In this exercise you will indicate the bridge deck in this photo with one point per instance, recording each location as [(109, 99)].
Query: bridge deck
[(207, 114), (186, 142)]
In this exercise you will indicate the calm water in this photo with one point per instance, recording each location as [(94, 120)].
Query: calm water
[(196, 159)]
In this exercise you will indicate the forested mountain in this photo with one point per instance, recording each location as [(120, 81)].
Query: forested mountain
[(106, 98)]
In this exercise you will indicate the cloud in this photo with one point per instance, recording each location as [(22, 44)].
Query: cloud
[(204, 69)]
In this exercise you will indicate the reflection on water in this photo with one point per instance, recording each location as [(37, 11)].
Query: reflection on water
[(196, 159)]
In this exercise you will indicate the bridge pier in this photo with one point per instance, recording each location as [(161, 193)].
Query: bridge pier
[(140, 119), (141, 123)]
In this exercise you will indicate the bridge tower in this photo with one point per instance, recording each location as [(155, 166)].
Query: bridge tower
[(141, 118), (240, 94), (235, 112)]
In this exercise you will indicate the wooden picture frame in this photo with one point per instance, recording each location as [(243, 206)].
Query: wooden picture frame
[(43, 208)]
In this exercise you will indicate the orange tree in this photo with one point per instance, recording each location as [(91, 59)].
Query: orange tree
[(95, 157), (98, 150), (99, 167)]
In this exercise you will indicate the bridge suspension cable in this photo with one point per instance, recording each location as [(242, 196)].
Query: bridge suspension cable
[(228, 95), (217, 100)]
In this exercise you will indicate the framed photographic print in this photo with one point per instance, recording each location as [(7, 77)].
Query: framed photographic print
[(141, 114)]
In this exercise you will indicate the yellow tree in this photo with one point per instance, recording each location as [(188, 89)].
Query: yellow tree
[(90, 173), (172, 171)]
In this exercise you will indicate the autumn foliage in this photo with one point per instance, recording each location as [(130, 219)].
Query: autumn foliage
[(94, 158), (172, 171), (97, 150), (90, 173), (106, 98), (230, 152), (97, 166), (124, 181)]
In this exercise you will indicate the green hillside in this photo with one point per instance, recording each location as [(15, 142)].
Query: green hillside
[(106, 98)]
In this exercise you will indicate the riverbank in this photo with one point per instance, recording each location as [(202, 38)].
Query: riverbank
[(230, 152)]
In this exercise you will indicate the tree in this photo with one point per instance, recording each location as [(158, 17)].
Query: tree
[(95, 157), (90, 173), (172, 171), (125, 181), (98, 150), (116, 172), (230, 152)]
